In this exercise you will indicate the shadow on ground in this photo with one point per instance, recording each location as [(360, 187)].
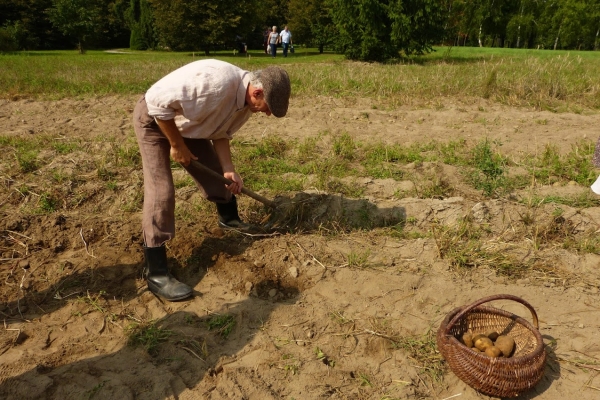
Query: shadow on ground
[(173, 355)]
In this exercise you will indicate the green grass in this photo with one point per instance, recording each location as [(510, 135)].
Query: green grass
[(333, 163), (148, 336), (488, 168), (358, 259), (553, 80), (222, 324), (573, 166), (584, 200)]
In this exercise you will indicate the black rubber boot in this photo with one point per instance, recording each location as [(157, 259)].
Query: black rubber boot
[(229, 217), (160, 281)]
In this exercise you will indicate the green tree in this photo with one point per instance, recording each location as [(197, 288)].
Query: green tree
[(204, 24), (141, 22), (311, 24), (79, 19), (28, 24), (377, 30)]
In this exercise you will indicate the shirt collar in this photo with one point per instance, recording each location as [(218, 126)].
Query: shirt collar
[(241, 95)]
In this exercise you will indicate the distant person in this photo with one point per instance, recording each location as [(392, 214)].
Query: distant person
[(266, 39), (596, 163), (192, 114), (273, 40), (286, 40)]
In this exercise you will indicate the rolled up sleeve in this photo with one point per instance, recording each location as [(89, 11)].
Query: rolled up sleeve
[(160, 105)]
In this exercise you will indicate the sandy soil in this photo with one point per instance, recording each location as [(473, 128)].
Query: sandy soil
[(309, 323)]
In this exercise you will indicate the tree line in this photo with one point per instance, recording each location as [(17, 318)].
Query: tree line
[(368, 30)]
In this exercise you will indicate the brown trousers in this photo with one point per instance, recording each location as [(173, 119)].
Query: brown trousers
[(158, 223)]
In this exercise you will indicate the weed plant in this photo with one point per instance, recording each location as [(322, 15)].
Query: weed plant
[(488, 168), (223, 324), (148, 336)]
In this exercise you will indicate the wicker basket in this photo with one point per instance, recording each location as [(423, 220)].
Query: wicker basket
[(501, 377)]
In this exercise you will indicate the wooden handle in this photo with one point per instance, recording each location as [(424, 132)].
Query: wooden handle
[(466, 309), (221, 178)]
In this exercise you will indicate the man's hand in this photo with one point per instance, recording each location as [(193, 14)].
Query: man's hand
[(181, 154), (238, 183)]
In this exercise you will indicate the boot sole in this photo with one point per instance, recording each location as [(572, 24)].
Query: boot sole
[(172, 298), (178, 298)]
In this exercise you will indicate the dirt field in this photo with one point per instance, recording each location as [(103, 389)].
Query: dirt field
[(319, 313)]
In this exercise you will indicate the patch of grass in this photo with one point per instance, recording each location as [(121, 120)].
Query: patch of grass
[(27, 160), (223, 324), (94, 301), (588, 243), (200, 349), (551, 166), (358, 259), (112, 185), (344, 147), (423, 350), (400, 231), (308, 150), (583, 200), (148, 336), (453, 152), (347, 189), (65, 147), (433, 187), (59, 176), (270, 147), (128, 156), (47, 204), (185, 181), (488, 168), (463, 247), (134, 202), (105, 174)]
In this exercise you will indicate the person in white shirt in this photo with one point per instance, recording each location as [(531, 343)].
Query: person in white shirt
[(286, 40), (192, 114)]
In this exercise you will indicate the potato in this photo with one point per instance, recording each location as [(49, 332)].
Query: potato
[(483, 343), (492, 335), (506, 344), (493, 351), (467, 339), (477, 336)]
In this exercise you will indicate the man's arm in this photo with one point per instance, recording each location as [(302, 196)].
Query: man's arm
[(179, 151), (224, 154)]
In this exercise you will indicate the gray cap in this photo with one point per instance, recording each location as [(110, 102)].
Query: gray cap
[(277, 89)]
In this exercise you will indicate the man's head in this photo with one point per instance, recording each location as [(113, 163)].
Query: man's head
[(270, 87), (285, 28)]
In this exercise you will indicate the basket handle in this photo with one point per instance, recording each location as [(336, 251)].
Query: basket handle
[(488, 299)]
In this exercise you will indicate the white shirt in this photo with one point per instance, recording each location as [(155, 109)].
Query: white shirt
[(207, 99), (286, 36)]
